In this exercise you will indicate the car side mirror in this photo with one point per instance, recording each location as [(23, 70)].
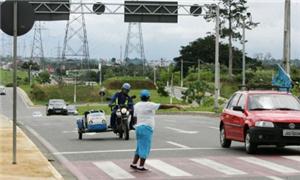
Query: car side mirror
[(238, 108)]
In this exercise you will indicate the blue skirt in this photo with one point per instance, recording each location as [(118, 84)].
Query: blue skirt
[(144, 141)]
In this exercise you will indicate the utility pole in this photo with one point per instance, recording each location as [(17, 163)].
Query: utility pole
[(181, 73), (217, 65), (287, 36)]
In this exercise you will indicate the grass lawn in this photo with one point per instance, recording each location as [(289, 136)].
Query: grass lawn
[(6, 76)]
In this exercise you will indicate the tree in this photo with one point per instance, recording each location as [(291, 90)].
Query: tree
[(203, 49), (232, 15), (44, 77)]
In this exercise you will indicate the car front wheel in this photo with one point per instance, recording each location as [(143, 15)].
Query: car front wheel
[(225, 143), (249, 145)]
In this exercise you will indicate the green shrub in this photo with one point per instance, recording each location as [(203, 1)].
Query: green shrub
[(136, 83)]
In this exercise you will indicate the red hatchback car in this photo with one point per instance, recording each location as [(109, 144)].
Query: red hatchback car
[(261, 118)]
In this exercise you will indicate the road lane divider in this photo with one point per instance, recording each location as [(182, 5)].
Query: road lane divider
[(167, 168), (269, 165), (113, 170), (182, 131), (218, 166), (177, 144)]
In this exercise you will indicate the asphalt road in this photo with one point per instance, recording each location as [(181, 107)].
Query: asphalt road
[(184, 147)]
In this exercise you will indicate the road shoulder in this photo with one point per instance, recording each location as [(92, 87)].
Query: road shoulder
[(31, 163)]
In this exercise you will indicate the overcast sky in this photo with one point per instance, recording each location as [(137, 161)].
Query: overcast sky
[(107, 33)]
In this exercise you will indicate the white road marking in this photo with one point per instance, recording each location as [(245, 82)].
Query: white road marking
[(274, 178), (212, 127), (166, 168), (66, 132), (113, 170), (182, 131), (269, 165), (133, 150), (218, 166), (177, 144)]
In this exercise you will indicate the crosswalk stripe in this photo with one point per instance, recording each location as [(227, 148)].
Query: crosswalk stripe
[(269, 165), (218, 166), (166, 168), (113, 170), (294, 158)]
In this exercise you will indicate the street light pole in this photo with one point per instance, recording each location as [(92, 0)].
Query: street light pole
[(217, 65), (244, 56), (181, 74), (287, 36)]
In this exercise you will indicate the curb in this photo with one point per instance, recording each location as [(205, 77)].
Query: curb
[(193, 113)]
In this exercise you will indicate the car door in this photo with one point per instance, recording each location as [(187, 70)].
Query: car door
[(238, 119), (229, 115)]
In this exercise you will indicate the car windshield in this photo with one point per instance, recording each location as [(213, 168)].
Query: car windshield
[(273, 102), (57, 102)]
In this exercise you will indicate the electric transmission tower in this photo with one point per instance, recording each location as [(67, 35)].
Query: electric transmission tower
[(37, 49), (134, 44), (75, 35)]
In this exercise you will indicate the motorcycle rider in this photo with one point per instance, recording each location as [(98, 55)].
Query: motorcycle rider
[(122, 98)]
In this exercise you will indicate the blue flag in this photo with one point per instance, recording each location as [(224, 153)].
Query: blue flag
[(282, 79)]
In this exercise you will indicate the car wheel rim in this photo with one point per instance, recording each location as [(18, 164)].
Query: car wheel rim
[(222, 136), (247, 141)]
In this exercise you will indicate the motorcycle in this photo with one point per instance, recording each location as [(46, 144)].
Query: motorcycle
[(123, 115)]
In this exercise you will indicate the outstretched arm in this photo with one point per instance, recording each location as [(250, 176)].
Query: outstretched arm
[(169, 106)]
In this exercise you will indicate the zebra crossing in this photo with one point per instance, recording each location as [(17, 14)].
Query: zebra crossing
[(216, 167)]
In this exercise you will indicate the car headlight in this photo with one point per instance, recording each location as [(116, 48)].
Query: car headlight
[(264, 124), (50, 107), (123, 110), (64, 107)]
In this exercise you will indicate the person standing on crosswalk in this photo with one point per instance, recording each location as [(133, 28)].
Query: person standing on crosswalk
[(144, 111)]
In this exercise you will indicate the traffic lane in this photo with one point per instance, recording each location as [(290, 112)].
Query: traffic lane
[(6, 105), (62, 129)]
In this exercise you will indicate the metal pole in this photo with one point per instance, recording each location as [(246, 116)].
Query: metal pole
[(154, 75), (244, 56), (287, 35), (198, 69), (181, 75), (15, 29), (75, 90), (100, 74), (217, 65), (172, 89)]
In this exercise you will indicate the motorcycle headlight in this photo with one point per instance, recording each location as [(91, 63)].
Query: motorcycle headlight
[(118, 113), (123, 110), (264, 124)]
